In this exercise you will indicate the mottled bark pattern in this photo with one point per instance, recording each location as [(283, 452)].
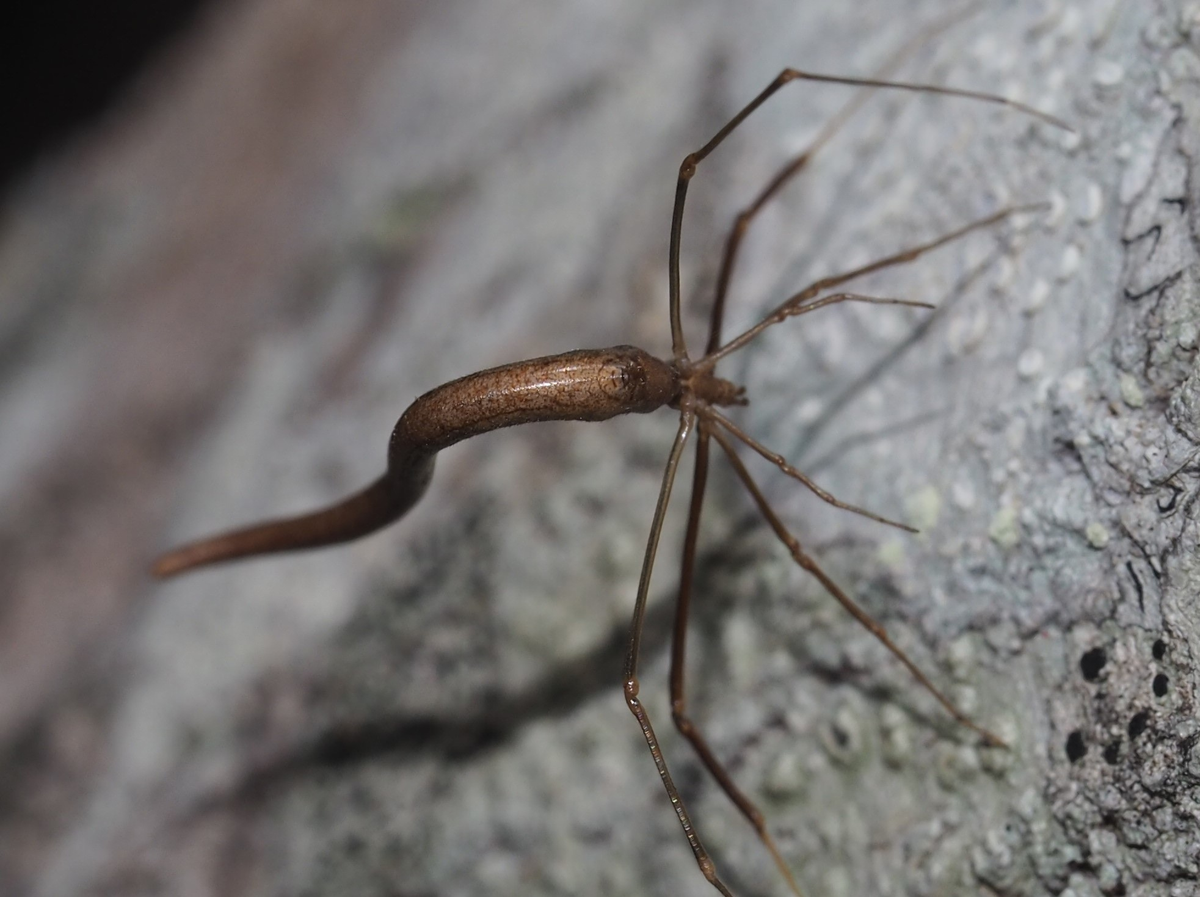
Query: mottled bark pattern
[(313, 212)]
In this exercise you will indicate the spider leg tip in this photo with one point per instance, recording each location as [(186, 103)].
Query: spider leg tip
[(988, 738)]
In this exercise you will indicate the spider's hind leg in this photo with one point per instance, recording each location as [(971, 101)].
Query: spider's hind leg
[(679, 712), (809, 564)]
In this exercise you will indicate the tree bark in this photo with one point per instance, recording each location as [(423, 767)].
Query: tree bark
[(213, 308)]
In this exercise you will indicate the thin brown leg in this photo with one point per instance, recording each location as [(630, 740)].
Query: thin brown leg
[(683, 722), (703, 860), (805, 560), (797, 163), (779, 461), (687, 572), (802, 302), (687, 168)]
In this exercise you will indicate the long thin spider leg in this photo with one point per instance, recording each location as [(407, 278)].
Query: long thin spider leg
[(797, 163), (835, 298), (802, 308), (687, 420), (802, 558), (779, 461), (795, 303), (687, 168), (683, 722)]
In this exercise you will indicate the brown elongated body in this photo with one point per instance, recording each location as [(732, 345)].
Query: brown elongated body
[(587, 384)]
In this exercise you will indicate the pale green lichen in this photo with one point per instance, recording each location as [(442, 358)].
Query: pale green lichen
[(891, 554), (1004, 530), (1131, 393), (924, 507), (1097, 535)]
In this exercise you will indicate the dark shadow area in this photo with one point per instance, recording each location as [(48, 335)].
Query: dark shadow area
[(464, 734), (69, 62)]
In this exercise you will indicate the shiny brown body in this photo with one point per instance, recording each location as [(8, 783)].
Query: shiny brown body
[(587, 384), (597, 384)]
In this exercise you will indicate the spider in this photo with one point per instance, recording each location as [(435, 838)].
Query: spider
[(597, 384)]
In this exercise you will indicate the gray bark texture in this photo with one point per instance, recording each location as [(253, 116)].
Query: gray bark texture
[(214, 306)]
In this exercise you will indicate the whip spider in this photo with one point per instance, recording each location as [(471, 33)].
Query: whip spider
[(597, 384)]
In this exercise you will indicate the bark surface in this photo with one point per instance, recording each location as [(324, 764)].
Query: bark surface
[(214, 307)]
